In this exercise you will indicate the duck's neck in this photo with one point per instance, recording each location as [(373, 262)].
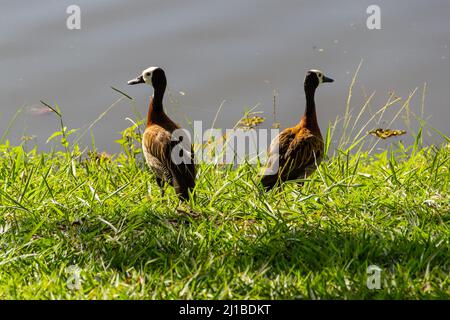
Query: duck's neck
[(309, 119), (155, 109)]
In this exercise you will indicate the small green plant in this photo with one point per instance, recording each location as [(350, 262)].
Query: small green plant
[(64, 133), (131, 139)]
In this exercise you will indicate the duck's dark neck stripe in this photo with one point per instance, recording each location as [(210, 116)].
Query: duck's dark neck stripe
[(309, 119), (156, 110)]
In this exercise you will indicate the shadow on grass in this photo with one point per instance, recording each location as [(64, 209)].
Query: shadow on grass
[(175, 240)]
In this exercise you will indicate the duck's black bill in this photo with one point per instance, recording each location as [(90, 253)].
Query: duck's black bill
[(326, 79), (136, 81)]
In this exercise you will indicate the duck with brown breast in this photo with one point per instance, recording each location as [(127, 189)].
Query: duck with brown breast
[(159, 140), (296, 152)]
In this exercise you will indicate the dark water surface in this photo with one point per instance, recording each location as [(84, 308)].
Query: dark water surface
[(214, 51)]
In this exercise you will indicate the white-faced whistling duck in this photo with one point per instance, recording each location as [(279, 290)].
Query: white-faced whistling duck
[(299, 150), (157, 140)]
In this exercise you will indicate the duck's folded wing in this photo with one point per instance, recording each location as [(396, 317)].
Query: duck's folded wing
[(276, 157), (156, 147), (304, 151), (169, 157), (182, 164)]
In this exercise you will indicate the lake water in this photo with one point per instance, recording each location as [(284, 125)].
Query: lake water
[(235, 52)]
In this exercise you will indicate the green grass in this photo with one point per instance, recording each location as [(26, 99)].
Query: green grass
[(79, 212), (105, 217)]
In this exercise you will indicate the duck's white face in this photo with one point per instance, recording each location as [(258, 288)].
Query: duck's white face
[(318, 73), (322, 78), (147, 74), (145, 77)]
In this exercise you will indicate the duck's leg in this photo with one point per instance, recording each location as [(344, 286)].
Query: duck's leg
[(161, 186)]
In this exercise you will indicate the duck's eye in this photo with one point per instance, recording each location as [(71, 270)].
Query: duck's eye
[(148, 74)]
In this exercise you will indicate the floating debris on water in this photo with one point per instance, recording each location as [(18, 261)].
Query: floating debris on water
[(28, 138), (315, 48), (251, 122), (38, 110), (386, 133)]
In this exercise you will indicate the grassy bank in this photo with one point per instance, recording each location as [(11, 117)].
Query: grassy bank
[(68, 214), (83, 225)]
